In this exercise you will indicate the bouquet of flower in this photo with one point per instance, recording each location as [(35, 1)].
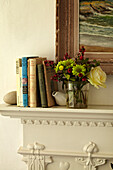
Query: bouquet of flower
[(80, 71)]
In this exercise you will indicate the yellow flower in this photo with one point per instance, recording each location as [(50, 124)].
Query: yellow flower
[(97, 77), (61, 68), (79, 69)]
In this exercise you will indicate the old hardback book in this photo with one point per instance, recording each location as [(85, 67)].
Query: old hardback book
[(42, 86), (25, 67), (33, 82), (18, 65), (33, 96), (50, 84), (28, 74), (21, 89), (24, 81)]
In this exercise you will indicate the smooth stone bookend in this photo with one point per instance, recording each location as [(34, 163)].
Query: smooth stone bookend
[(10, 98)]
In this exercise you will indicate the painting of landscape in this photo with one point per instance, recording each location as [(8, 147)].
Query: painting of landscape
[(96, 25)]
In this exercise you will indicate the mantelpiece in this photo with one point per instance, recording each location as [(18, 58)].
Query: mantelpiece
[(60, 138)]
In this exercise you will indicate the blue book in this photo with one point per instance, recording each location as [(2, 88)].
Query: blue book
[(25, 81)]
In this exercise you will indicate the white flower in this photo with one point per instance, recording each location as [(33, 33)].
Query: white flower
[(97, 77)]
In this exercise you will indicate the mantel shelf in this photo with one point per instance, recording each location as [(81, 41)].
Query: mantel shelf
[(92, 112)]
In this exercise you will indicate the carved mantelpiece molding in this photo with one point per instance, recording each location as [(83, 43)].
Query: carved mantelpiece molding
[(37, 155), (90, 162), (68, 123), (34, 160), (61, 150)]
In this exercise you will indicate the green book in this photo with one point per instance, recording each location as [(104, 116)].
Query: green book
[(42, 86)]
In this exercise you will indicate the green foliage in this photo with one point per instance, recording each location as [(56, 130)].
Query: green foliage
[(76, 69)]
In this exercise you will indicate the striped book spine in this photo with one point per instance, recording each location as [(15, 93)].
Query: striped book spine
[(24, 81)]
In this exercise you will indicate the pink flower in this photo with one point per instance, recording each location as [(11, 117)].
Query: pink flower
[(69, 70), (84, 79), (66, 54), (83, 48), (81, 57), (45, 61), (80, 75), (51, 62), (65, 58), (47, 64)]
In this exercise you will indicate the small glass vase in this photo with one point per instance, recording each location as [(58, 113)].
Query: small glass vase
[(76, 97)]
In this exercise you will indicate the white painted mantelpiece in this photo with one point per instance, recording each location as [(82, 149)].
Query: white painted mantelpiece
[(65, 139)]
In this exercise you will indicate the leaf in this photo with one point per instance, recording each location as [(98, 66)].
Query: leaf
[(72, 79), (67, 76), (98, 63), (94, 61), (86, 60)]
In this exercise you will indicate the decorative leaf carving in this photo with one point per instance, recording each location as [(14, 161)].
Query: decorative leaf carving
[(89, 162)]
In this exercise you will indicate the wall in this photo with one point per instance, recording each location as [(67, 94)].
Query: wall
[(102, 96), (27, 27)]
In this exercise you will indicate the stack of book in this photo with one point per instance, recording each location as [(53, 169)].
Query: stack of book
[(33, 81)]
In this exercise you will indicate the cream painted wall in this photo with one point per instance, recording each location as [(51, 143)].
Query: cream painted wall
[(27, 27), (102, 96)]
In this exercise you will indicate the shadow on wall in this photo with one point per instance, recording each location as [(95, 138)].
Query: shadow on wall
[(102, 96)]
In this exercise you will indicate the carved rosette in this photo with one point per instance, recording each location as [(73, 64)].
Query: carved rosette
[(89, 162)]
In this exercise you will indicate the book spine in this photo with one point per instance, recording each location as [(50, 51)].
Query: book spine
[(38, 89), (28, 76), (33, 93), (21, 90), (38, 61), (24, 81), (42, 86), (50, 84), (18, 64)]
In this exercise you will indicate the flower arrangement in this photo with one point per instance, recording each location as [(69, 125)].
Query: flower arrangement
[(80, 71), (76, 73)]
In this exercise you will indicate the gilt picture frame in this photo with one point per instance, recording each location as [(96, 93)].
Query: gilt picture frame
[(68, 35)]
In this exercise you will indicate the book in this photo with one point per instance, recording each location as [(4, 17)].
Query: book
[(50, 84), (32, 79), (34, 94), (21, 89), (28, 77), (24, 81), (28, 74), (25, 78), (18, 65), (42, 86)]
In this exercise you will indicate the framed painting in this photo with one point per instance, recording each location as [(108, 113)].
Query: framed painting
[(87, 23)]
